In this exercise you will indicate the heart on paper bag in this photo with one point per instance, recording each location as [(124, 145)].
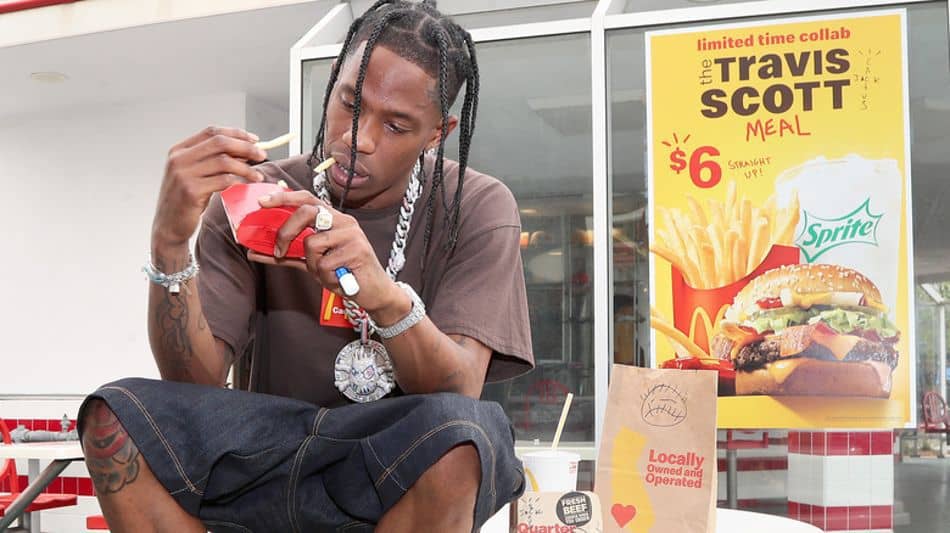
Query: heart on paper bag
[(623, 514)]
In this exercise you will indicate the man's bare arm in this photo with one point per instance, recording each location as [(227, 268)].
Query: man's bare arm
[(201, 165), (181, 341), (427, 360)]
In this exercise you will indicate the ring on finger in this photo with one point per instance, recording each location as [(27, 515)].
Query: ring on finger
[(324, 220)]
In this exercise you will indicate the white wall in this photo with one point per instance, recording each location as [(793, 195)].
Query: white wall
[(79, 193)]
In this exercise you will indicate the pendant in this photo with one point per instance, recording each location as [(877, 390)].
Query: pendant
[(363, 371)]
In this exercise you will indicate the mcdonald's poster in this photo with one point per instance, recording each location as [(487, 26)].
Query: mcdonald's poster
[(780, 235)]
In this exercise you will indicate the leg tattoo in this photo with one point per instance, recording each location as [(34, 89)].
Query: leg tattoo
[(111, 456)]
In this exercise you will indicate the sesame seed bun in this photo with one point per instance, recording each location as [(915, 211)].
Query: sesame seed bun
[(806, 279)]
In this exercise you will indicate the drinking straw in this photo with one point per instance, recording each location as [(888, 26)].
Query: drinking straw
[(560, 424)]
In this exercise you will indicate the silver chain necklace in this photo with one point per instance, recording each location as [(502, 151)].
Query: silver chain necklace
[(363, 370)]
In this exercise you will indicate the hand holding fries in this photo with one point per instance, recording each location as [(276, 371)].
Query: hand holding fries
[(205, 163), (721, 244)]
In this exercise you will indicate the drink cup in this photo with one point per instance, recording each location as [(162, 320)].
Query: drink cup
[(551, 470), (850, 215)]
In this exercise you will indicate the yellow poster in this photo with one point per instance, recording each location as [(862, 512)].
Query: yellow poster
[(779, 176)]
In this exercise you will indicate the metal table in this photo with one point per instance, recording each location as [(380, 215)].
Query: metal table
[(60, 454)]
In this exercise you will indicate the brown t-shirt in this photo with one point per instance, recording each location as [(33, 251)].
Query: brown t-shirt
[(478, 291)]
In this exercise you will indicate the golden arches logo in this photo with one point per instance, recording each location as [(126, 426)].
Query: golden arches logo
[(708, 324)]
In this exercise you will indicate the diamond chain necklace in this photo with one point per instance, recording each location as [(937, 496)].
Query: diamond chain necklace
[(397, 257)]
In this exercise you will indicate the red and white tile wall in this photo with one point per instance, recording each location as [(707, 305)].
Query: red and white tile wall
[(842, 480), (65, 484)]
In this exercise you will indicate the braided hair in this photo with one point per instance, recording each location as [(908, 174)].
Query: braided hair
[(421, 34)]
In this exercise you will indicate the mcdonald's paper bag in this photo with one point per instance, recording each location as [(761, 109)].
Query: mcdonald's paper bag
[(657, 467)]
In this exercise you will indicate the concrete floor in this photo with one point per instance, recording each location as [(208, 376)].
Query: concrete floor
[(922, 492)]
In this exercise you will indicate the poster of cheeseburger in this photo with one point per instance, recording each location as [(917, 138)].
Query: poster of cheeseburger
[(779, 179)]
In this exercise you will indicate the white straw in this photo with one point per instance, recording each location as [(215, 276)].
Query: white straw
[(560, 424)]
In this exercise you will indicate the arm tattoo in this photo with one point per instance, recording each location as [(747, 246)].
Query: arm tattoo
[(111, 456), (454, 380), (451, 382), (171, 318)]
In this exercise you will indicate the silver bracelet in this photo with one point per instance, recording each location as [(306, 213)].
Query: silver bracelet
[(416, 314), (172, 282)]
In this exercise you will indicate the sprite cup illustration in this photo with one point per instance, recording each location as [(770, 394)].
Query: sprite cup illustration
[(850, 216)]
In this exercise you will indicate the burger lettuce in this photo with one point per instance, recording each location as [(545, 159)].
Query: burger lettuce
[(844, 321)]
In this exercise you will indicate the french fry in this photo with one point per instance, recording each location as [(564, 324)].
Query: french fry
[(787, 237), (329, 162), (697, 215), (655, 313), (731, 200), (720, 273), (692, 255), (705, 260), (676, 336), (729, 266), (743, 246), (782, 229), (277, 141), (707, 266), (717, 213), (740, 253), (778, 226), (755, 215), (745, 220), (674, 260), (795, 206), (675, 241), (759, 244), (677, 245), (664, 252), (700, 237)]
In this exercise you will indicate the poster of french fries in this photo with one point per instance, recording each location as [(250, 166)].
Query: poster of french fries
[(780, 238)]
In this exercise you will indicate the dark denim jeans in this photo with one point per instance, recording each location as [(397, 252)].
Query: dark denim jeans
[(244, 462)]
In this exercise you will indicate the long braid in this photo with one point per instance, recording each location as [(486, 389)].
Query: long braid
[(438, 175), (422, 35), (358, 96), (334, 74), (469, 112)]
